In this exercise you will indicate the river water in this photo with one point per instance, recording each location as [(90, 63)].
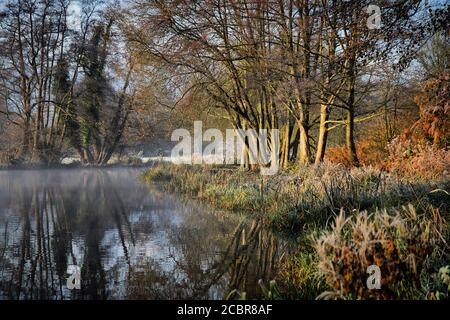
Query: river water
[(127, 241)]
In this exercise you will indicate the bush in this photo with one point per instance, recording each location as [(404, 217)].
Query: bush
[(418, 161), (368, 151), (400, 244), (422, 151), (433, 102)]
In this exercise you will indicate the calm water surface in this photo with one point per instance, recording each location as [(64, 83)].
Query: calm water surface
[(128, 241)]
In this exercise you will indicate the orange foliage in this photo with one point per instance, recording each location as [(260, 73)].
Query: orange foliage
[(423, 150), (434, 105), (368, 152), (414, 160)]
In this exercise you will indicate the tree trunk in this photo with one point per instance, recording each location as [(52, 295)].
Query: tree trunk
[(350, 139), (350, 121), (25, 146), (323, 134), (36, 136), (304, 152)]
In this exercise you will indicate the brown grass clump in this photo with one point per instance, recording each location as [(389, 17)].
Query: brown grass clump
[(399, 244)]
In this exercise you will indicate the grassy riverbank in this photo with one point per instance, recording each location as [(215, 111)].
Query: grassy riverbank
[(300, 197), (344, 219)]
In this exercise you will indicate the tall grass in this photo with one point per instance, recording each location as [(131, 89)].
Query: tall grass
[(405, 245), (300, 197)]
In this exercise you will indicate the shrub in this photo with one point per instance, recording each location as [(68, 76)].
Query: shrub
[(422, 151), (433, 102), (369, 153), (412, 160), (400, 244)]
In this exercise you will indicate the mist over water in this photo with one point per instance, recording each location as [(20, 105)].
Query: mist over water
[(130, 242)]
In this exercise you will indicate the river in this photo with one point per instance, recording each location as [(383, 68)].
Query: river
[(127, 240)]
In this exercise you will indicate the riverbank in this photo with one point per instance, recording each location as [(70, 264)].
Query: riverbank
[(376, 218), (299, 197)]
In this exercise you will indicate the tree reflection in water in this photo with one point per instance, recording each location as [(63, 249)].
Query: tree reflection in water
[(130, 243)]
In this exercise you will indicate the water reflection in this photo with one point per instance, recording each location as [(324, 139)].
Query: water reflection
[(128, 242)]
